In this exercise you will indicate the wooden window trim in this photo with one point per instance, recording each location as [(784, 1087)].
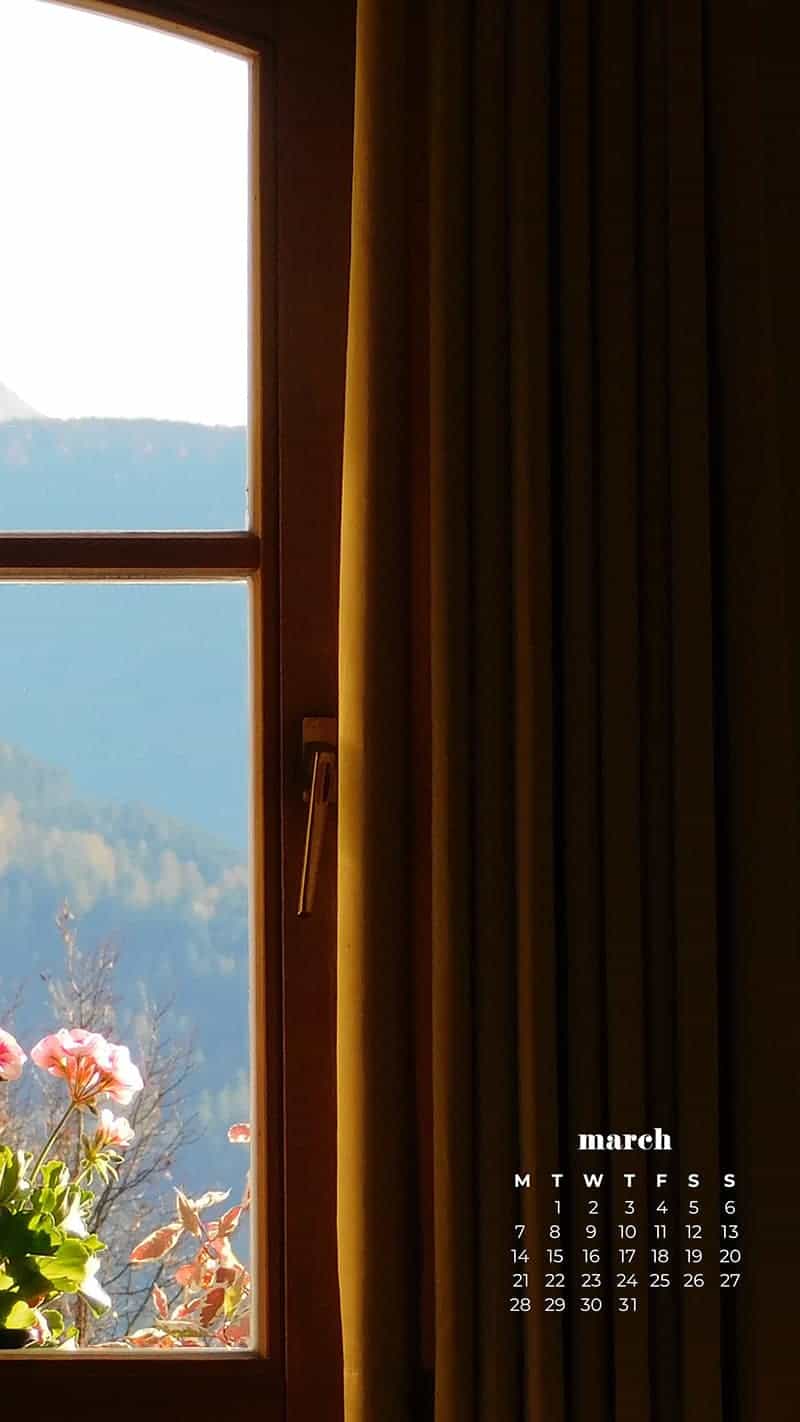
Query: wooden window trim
[(50, 556), (302, 56)]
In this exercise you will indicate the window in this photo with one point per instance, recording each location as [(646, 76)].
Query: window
[(125, 652), (287, 555)]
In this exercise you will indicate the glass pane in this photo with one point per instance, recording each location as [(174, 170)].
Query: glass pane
[(123, 276), (124, 795)]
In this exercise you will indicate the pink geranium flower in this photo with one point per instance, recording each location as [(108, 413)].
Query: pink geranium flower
[(89, 1064), (11, 1057), (113, 1131)]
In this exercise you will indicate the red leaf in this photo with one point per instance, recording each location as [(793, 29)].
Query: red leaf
[(230, 1220), (224, 1253), (189, 1217), (156, 1245), (160, 1301), (148, 1338), (238, 1332), (240, 1134), (215, 1298)]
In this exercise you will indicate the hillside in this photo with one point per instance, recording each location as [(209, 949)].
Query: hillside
[(98, 474), (174, 901), (142, 691)]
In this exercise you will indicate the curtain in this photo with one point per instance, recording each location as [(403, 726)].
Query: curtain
[(568, 798)]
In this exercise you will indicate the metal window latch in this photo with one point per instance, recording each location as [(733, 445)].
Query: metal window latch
[(319, 769)]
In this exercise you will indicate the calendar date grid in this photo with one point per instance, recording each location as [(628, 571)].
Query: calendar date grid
[(607, 1239)]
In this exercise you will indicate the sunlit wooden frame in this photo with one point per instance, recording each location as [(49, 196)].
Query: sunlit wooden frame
[(180, 1382)]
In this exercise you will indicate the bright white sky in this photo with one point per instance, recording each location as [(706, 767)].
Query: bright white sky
[(123, 242)]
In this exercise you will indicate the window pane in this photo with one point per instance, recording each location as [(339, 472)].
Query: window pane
[(123, 276), (124, 795)]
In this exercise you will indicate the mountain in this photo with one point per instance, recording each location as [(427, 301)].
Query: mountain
[(102, 677), (116, 475), (12, 408), (141, 689), (173, 900)]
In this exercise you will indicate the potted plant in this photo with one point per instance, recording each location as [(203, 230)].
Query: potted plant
[(48, 1250)]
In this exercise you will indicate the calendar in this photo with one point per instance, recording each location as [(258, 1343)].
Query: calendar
[(624, 1225)]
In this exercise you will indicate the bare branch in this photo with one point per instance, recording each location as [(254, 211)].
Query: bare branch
[(83, 996)]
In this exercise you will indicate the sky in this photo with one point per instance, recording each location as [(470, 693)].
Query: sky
[(123, 244)]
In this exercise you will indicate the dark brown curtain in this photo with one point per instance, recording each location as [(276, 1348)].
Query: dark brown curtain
[(568, 805)]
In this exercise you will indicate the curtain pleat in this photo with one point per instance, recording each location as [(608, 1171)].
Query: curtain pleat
[(693, 767), (756, 609), (375, 1070), (616, 466), (531, 39), (655, 562), (453, 976), (490, 673), (563, 546), (576, 671)]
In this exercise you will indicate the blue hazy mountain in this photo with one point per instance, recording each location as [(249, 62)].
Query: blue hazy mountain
[(124, 733), (113, 475), (140, 689), (172, 899)]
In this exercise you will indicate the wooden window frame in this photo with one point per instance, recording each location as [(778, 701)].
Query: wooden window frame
[(302, 66)]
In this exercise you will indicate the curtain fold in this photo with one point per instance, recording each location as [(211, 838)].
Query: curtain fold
[(375, 1063), (568, 831)]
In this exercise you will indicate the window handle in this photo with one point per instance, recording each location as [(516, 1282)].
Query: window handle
[(319, 751)]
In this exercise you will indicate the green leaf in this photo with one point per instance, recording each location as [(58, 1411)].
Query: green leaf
[(22, 1234), (20, 1316), (67, 1267), (10, 1165), (55, 1175), (44, 1226), (6, 1281), (12, 1173), (55, 1321)]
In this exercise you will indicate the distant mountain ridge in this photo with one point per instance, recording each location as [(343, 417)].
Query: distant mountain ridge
[(173, 900), (115, 474), (49, 795), (103, 855), (141, 692)]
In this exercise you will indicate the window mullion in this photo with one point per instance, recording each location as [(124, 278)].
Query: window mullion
[(128, 555)]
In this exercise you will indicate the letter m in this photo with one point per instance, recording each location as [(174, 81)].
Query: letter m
[(591, 1143), (522, 1182)]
